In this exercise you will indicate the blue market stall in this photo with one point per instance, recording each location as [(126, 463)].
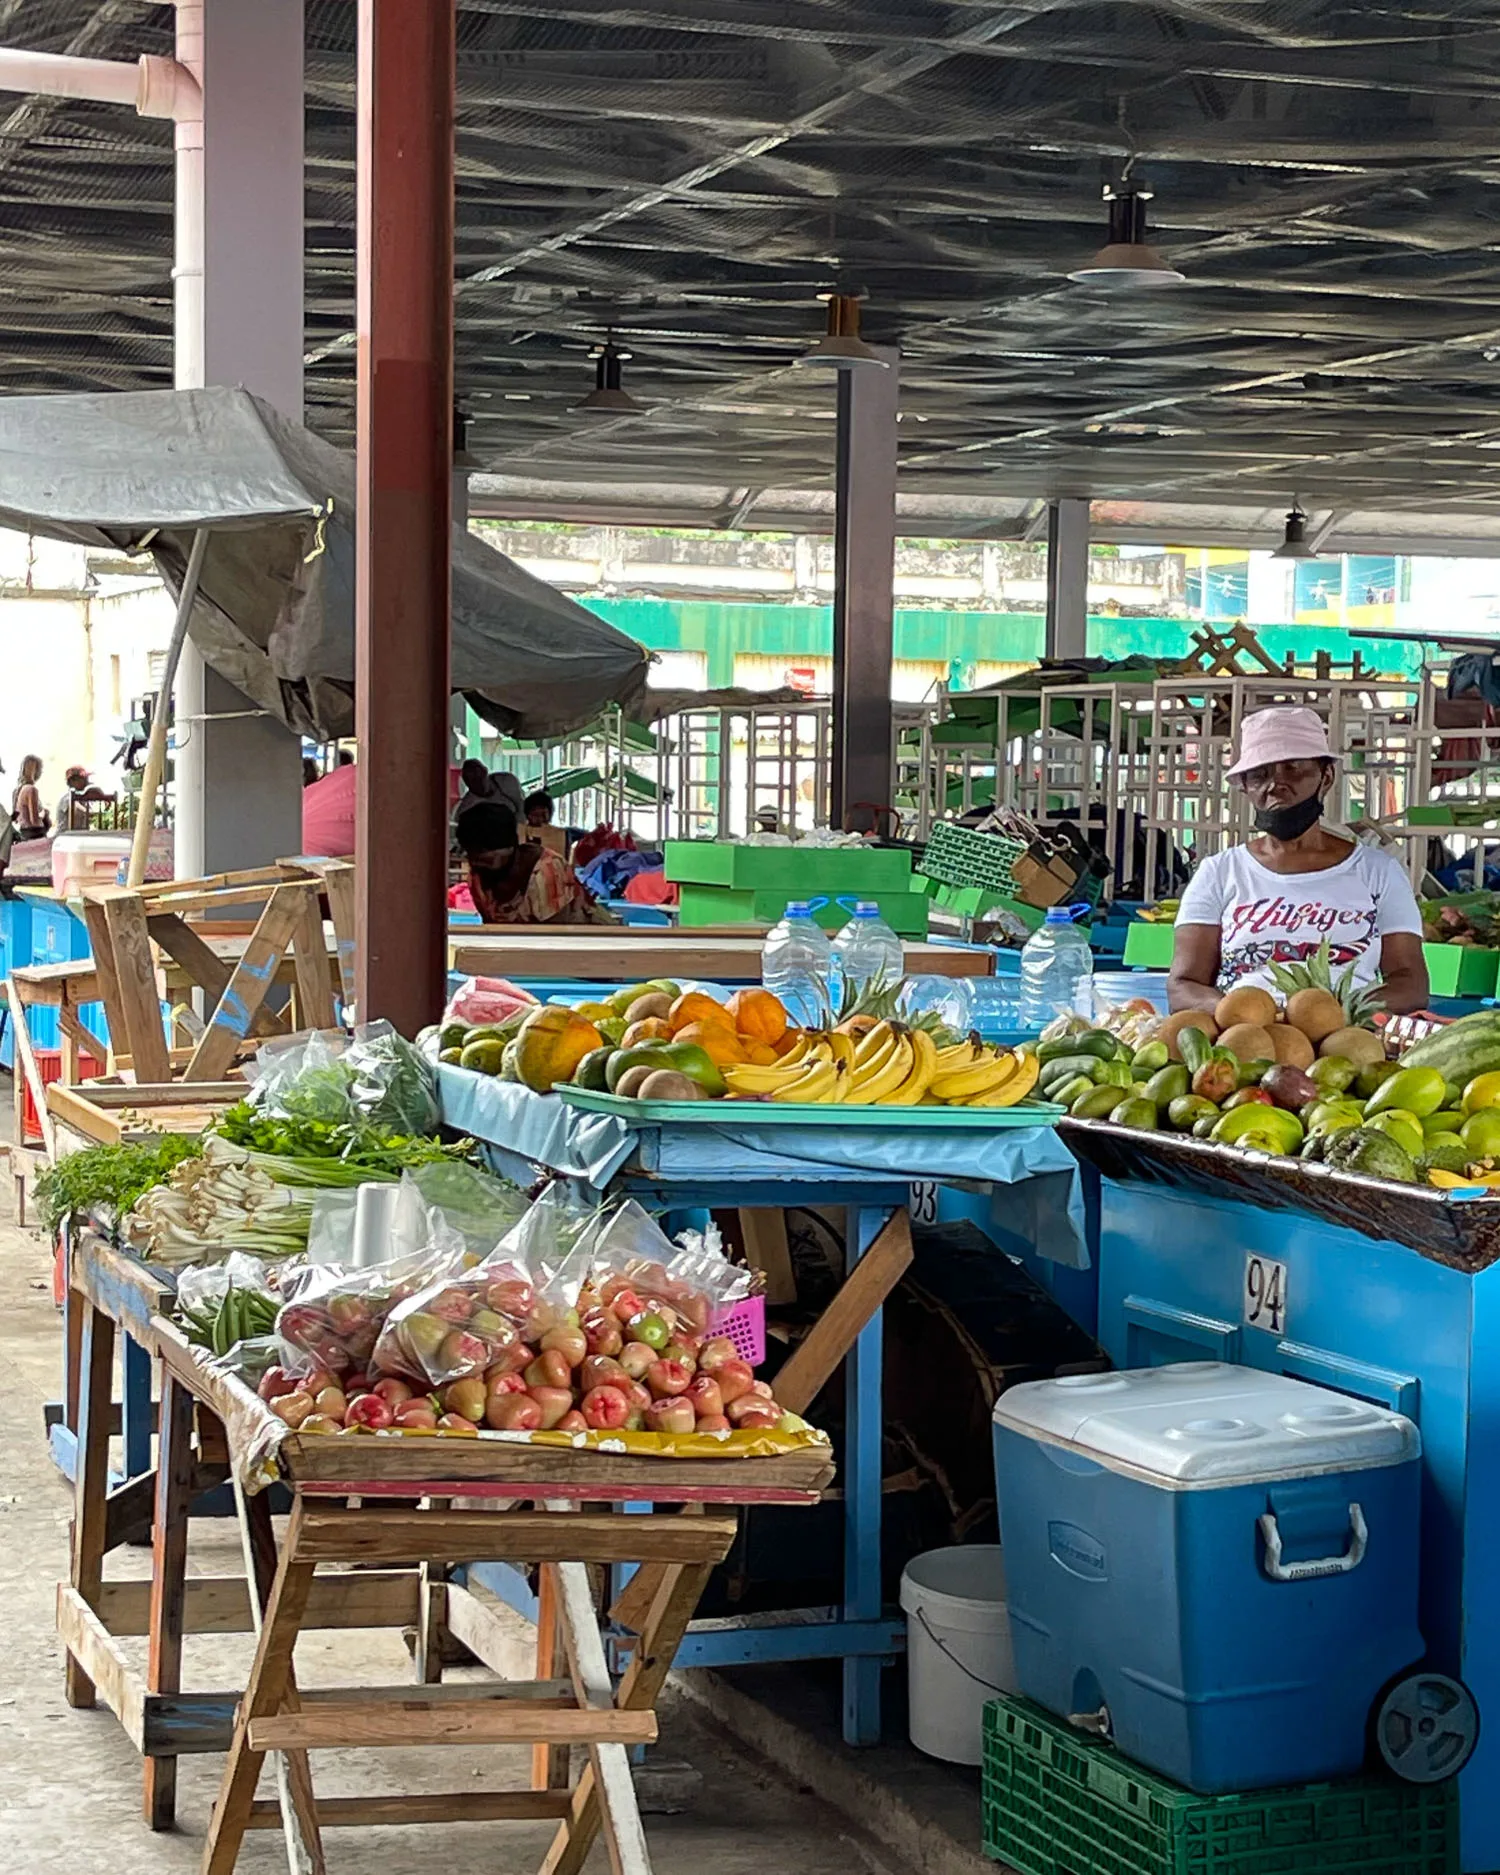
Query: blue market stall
[(867, 1163)]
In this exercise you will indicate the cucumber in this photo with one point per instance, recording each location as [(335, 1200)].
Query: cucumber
[(1097, 1042), (1063, 1068), (1098, 1103), (1072, 1089)]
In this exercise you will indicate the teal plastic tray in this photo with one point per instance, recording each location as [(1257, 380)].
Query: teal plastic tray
[(785, 1113)]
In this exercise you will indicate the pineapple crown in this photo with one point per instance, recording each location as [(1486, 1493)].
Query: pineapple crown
[(1359, 1004)]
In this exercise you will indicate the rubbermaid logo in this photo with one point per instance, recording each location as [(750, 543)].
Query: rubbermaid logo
[(1078, 1552)]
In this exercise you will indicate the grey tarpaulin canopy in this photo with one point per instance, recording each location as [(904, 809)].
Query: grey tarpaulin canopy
[(275, 607)]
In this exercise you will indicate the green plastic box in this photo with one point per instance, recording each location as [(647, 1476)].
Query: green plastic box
[(1149, 946), (793, 871), (1461, 969), (905, 912), (1058, 1803)]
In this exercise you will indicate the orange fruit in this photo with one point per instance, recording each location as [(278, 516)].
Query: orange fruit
[(788, 1041), (649, 1029), (758, 1014), (717, 1040), (695, 1006)]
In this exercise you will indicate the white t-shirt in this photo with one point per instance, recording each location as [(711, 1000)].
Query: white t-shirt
[(1267, 917)]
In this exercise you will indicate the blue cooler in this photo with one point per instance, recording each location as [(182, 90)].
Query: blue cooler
[(1215, 1565)]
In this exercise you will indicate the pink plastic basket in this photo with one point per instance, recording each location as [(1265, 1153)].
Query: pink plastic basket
[(744, 1323)]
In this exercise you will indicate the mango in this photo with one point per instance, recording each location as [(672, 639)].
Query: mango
[(1404, 1128), (1417, 1091)]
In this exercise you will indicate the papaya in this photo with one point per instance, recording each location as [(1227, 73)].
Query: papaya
[(551, 1043)]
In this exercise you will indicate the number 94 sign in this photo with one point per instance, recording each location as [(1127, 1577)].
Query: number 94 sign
[(1265, 1299)]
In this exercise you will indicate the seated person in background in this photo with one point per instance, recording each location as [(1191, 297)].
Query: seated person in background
[(73, 806), (539, 809), (516, 882)]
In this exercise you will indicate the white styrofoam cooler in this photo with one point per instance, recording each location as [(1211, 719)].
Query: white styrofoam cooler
[(1222, 1560), (86, 859)]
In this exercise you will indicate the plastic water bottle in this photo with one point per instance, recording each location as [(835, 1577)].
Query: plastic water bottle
[(867, 950), (1056, 965), (795, 963)]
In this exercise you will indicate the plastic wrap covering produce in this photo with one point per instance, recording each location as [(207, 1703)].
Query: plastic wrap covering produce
[(221, 1305), (471, 1202), (379, 1079), (597, 1146)]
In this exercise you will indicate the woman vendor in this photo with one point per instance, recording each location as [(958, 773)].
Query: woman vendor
[(516, 882), (1294, 883)]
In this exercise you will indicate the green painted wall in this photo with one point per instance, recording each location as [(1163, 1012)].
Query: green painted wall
[(723, 631)]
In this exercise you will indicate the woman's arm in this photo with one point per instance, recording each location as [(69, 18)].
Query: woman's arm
[(1195, 966), (1404, 969)]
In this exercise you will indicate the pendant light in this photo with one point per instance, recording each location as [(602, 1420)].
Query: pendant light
[(841, 348), (1296, 545), (608, 398), (1127, 260)]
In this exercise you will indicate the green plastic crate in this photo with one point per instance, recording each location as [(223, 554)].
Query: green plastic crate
[(1059, 1803), (972, 901), (961, 857), (905, 912), (1461, 969), (1149, 946), (793, 871)]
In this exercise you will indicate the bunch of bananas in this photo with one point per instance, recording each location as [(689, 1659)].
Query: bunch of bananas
[(973, 1074), (892, 1066)]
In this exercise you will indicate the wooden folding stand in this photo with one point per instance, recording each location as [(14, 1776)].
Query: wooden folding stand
[(124, 923), (578, 1707)]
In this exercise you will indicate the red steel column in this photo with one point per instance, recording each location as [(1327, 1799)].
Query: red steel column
[(403, 574)]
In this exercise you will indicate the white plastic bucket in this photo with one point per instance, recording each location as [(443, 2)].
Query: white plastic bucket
[(958, 1652)]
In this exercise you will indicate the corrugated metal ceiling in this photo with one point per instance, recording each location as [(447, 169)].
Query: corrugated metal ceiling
[(692, 172)]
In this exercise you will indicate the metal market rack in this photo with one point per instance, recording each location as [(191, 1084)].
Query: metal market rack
[(1155, 755)]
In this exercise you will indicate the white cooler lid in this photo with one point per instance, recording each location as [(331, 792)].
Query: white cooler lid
[(1200, 1423)]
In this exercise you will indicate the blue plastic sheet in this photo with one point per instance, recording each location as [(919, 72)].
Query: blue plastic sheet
[(1046, 1207)]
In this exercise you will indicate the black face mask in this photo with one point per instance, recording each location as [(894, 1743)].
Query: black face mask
[(1288, 823)]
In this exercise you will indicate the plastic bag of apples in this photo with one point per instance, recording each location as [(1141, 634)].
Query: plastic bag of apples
[(578, 1322)]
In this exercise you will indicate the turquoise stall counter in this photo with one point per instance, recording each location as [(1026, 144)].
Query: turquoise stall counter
[(55, 934)]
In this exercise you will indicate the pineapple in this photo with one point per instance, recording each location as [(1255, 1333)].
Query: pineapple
[(1360, 1005), (879, 1000)]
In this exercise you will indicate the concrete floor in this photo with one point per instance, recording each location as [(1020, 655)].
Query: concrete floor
[(70, 1781)]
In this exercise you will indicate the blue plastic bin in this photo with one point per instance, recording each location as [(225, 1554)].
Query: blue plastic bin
[(1222, 1561)]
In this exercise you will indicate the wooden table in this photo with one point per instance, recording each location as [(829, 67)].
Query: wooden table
[(387, 1505), (639, 952)]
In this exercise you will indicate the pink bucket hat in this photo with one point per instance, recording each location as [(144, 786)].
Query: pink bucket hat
[(1288, 733)]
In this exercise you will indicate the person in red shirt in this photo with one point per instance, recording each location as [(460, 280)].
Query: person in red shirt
[(328, 815)]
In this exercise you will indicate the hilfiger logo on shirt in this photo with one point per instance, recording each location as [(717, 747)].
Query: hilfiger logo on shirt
[(1272, 914)]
